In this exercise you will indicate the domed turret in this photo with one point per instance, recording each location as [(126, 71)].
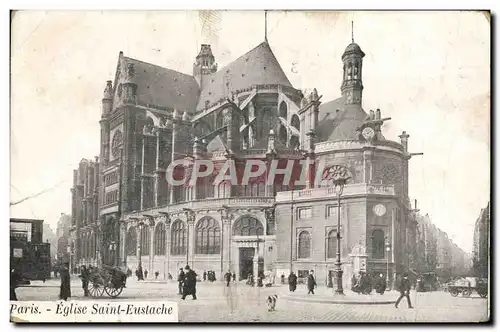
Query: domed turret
[(352, 83)]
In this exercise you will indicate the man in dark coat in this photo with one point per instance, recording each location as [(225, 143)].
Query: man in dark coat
[(234, 277), (65, 291), (138, 273), (380, 284), (15, 278), (146, 274), (180, 280), (311, 282), (189, 285), (85, 276), (404, 290), (204, 275), (292, 282), (228, 276)]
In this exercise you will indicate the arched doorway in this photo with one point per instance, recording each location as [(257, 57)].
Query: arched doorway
[(248, 232)]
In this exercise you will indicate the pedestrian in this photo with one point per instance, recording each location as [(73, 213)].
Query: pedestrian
[(180, 279), (15, 278), (234, 277), (65, 289), (85, 276), (204, 275), (292, 282), (156, 274), (311, 283), (282, 278), (228, 276), (380, 284), (189, 285), (145, 274), (170, 276), (404, 290)]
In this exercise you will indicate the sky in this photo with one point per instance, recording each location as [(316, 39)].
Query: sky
[(428, 71)]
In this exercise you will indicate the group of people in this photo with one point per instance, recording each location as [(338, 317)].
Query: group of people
[(228, 276), (210, 275), (187, 282), (292, 282), (140, 274)]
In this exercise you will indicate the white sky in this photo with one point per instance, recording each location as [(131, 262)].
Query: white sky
[(429, 71)]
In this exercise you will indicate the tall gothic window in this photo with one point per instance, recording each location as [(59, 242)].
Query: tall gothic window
[(131, 242), (304, 244), (145, 240), (160, 234), (207, 236), (332, 244), (178, 238), (378, 239), (248, 226)]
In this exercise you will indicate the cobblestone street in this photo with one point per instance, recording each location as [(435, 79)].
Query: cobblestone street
[(241, 303)]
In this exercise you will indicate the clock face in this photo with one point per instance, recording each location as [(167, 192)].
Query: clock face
[(368, 133), (116, 143), (379, 210)]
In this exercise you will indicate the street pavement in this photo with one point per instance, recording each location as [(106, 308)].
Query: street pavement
[(242, 303)]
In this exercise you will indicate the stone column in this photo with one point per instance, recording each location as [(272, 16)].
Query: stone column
[(123, 244), (191, 240), (142, 171), (256, 263), (368, 166), (168, 238), (226, 256), (151, 249), (157, 175), (138, 250)]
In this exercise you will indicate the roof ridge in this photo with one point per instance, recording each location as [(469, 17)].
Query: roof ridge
[(155, 65)]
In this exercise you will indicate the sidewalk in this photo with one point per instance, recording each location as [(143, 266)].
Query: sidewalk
[(326, 295)]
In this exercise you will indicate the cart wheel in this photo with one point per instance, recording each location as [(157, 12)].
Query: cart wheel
[(454, 292), (96, 288), (113, 292), (466, 292)]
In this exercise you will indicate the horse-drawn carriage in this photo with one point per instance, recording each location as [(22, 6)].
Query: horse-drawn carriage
[(466, 287), (106, 279)]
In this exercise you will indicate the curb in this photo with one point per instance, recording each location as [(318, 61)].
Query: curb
[(335, 301)]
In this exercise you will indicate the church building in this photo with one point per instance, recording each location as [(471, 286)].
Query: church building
[(247, 110)]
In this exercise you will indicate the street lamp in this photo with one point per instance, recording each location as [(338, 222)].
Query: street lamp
[(339, 175), (387, 249)]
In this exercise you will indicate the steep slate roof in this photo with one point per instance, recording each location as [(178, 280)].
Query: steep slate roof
[(341, 125), (163, 87), (258, 66)]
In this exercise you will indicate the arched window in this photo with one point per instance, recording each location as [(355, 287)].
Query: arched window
[(283, 112), (295, 122), (304, 244), (207, 236), (160, 239), (378, 240), (131, 242), (145, 240), (179, 238), (282, 134), (294, 142), (248, 226), (332, 244)]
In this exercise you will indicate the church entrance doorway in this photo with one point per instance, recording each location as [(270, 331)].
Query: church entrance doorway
[(246, 262)]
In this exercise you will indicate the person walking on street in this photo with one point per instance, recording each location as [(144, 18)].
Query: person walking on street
[(204, 275), (15, 278), (145, 274), (65, 290), (311, 282), (189, 285), (85, 276), (234, 277), (292, 282), (228, 276), (404, 290), (180, 280)]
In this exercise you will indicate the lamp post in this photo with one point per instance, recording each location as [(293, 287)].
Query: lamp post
[(339, 175), (387, 249)]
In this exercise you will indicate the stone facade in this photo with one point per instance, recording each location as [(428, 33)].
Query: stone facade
[(248, 110)]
